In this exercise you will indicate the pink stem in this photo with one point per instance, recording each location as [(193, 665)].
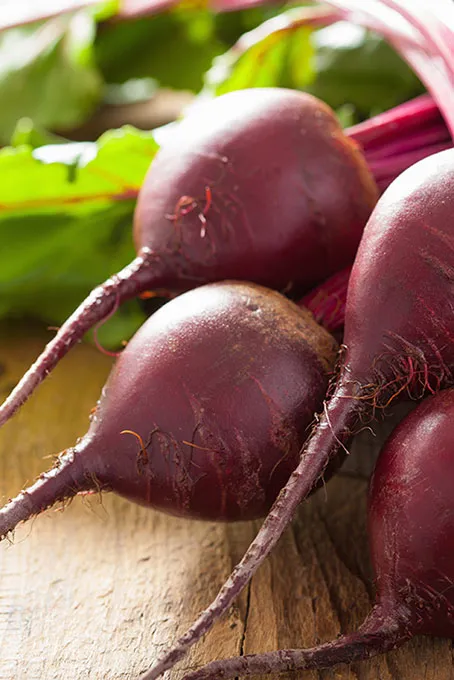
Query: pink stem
[(23, 15), (394, 140), (427, 24), (327, 301), (392, 123), (392, 167), (417, 140), (411, 45)]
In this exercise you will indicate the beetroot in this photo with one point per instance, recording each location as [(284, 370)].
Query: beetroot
[(259, 185), (242, 146), (399, 339), (411, 533), (204, 412)]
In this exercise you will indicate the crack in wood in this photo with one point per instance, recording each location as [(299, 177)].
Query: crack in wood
[(246, 616), (319, 672), (335, 600), (356, 573), (394, 669)]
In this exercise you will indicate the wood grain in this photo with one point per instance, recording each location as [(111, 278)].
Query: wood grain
[(98, 590)]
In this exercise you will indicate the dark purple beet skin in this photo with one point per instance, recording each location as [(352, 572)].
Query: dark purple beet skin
[(221, 384), (289, 192), (398, 340), (260, 185), (411, 519), (411, 533)]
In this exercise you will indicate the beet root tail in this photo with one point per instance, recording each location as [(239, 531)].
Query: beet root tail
[(60, 483), (133, 279), (376, 636), (333, 429)]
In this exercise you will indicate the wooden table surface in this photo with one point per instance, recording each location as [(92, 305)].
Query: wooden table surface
[(98, 590)]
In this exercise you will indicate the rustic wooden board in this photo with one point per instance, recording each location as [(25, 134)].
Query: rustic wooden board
[(98, 590)]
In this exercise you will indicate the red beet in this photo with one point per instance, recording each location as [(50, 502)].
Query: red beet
[(204, 412), (411, 533), (259, 184), (399, 339)]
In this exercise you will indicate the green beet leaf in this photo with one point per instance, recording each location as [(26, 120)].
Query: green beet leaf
[(47, 73), (65, 225)]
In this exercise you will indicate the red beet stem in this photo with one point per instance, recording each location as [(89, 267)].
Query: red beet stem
[(343, 411), (392, 124), (425, 50), (60, 483), (428, 25), (377, 635), (390, 168), (327, 301), (417, 139), (129, 282), (387, 155)]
